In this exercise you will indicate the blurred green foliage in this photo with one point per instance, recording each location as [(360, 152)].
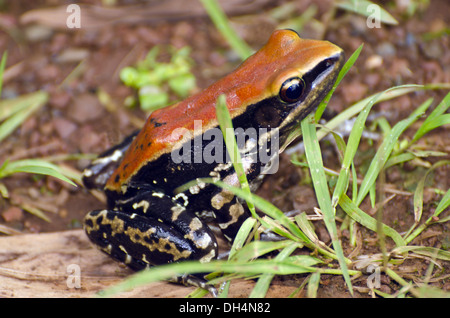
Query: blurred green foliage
[(155, 81)]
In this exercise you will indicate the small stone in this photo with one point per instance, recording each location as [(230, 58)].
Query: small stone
[(12, 214), (85, 107), (64, 127)]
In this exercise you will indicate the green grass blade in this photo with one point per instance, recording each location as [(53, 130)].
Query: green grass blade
[(258, 248), (350, 152), (14, 121), (385, 150), (428, 251), (2, 69), (348, 64), (418, 195), (307, 228), (242, 235), (435, 119), (263, 283), (238, 244), (314, 158), (313, 285), (385, 95), (220, 20), (35, 211), (292, 265), (226, 125), (353, 143), (367, 221), (9, 107), (443, 204), (399, 158), (35, 166)]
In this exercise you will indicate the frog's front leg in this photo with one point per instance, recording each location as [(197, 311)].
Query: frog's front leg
[(152, 229), (100, 170)]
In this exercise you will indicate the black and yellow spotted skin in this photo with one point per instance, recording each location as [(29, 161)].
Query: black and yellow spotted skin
[(147, 223)]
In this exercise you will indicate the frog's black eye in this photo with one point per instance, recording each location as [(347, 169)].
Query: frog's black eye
[(292, 89)]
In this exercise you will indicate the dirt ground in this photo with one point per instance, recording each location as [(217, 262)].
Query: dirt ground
[(75, 65)]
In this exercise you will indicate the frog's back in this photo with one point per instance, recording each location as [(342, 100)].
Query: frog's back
[(251, 82)]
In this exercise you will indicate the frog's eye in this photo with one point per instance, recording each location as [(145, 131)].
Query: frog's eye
[(292, 89)]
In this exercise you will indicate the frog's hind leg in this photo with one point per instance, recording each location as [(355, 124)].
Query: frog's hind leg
[(140, 241), (166, 235)]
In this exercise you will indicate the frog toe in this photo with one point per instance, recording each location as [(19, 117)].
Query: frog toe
[(196, 281)]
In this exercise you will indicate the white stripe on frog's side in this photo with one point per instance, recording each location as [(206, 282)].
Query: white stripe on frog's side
[(116, 155)]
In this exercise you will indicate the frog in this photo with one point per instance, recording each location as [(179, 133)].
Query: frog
[(148, 222)]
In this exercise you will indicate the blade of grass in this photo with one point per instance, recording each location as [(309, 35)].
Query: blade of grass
[(367, 221), (353, 143), (418, 195), (2, 69), (242, 235), (386, 95), (258, 248), (306, 227), (35, 166), (35, 211), (428, 251), (435, 119), (313, 285), (263, 283), (226, 125), (9, 107), (348, 64), (15, 120), (220, 20), (443, 204), (385, 150), (289, 266), (314, 158), (350, 152), (239, 251)]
